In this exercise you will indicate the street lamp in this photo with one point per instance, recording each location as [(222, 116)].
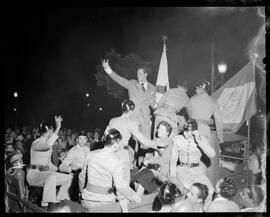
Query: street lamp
[(222, 68), (15, 94)]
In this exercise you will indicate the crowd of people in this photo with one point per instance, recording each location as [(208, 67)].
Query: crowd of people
[(95, 169)]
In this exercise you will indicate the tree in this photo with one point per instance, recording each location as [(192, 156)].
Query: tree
[(124, 66)]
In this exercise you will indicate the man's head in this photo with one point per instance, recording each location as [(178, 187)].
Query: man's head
[(202, 86), (12, 135), (46, 128), (142, 73), (127, 106), (20, 138), (111, 138), (189, 126), (251, 196), (89, 134), (183, 84), (168, 193), (226, 187), (198, 193), (16, 159), (97, 134), (82, 139), (164, 129)]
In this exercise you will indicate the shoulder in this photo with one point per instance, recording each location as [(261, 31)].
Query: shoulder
[(73, 149), (178, 138), (153, 87), (182, 206), (115, 119), (194, 97), (38, 141), (234, 205), (133, 81)]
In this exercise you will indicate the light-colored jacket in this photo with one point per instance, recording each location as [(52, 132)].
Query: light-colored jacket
[(75, 158), (143, 100)]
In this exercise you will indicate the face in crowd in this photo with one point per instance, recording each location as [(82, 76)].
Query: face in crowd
[(199, 90), (164, 130), (141, 75), (82, 140), (193, 195)]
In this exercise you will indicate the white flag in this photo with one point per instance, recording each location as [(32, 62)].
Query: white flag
[(162, 83)]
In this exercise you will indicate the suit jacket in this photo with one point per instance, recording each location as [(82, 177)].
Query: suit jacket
[(142, 99)]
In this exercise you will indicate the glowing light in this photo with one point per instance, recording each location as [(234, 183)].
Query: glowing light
[(87, 95), (15, 94), (88, 104), (222, 67), (100, 109), (14, 109)]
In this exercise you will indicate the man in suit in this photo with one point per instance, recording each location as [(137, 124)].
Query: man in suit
[(141, 92)]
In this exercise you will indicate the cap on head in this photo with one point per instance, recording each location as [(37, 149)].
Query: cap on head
[(82, 133), (203, 84), (111, 136), (190, 125), (127, 105), (45, 126)]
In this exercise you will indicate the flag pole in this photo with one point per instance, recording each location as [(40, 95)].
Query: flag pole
[(212, 67), (246, 157), (247, 148)]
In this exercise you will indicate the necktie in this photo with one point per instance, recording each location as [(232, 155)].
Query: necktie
[(143, 88)]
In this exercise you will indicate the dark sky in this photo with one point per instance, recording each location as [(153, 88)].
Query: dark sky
[(51, 54)]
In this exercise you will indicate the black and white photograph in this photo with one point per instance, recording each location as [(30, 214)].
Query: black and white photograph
[(144, 109)]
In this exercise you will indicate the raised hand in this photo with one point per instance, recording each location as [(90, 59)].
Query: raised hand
[(58, 120), (106, 66), (197, 135)]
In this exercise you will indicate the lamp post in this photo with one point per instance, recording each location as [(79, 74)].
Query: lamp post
[(15, 94), (222, 68)]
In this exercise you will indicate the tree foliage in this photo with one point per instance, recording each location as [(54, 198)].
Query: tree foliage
[(124, 66)]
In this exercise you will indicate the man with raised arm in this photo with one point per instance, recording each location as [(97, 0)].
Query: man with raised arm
[(42, 172), (142, 93)]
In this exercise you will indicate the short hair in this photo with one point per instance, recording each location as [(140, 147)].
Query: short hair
[(227, 188), (203, 194), (146, 69), (183, 84), (167, 126), (256, 194)]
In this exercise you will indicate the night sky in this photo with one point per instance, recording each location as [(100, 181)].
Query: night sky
[(51, 54)]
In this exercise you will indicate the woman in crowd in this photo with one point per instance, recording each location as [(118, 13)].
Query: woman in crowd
[(156, 168), (185, 165)]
